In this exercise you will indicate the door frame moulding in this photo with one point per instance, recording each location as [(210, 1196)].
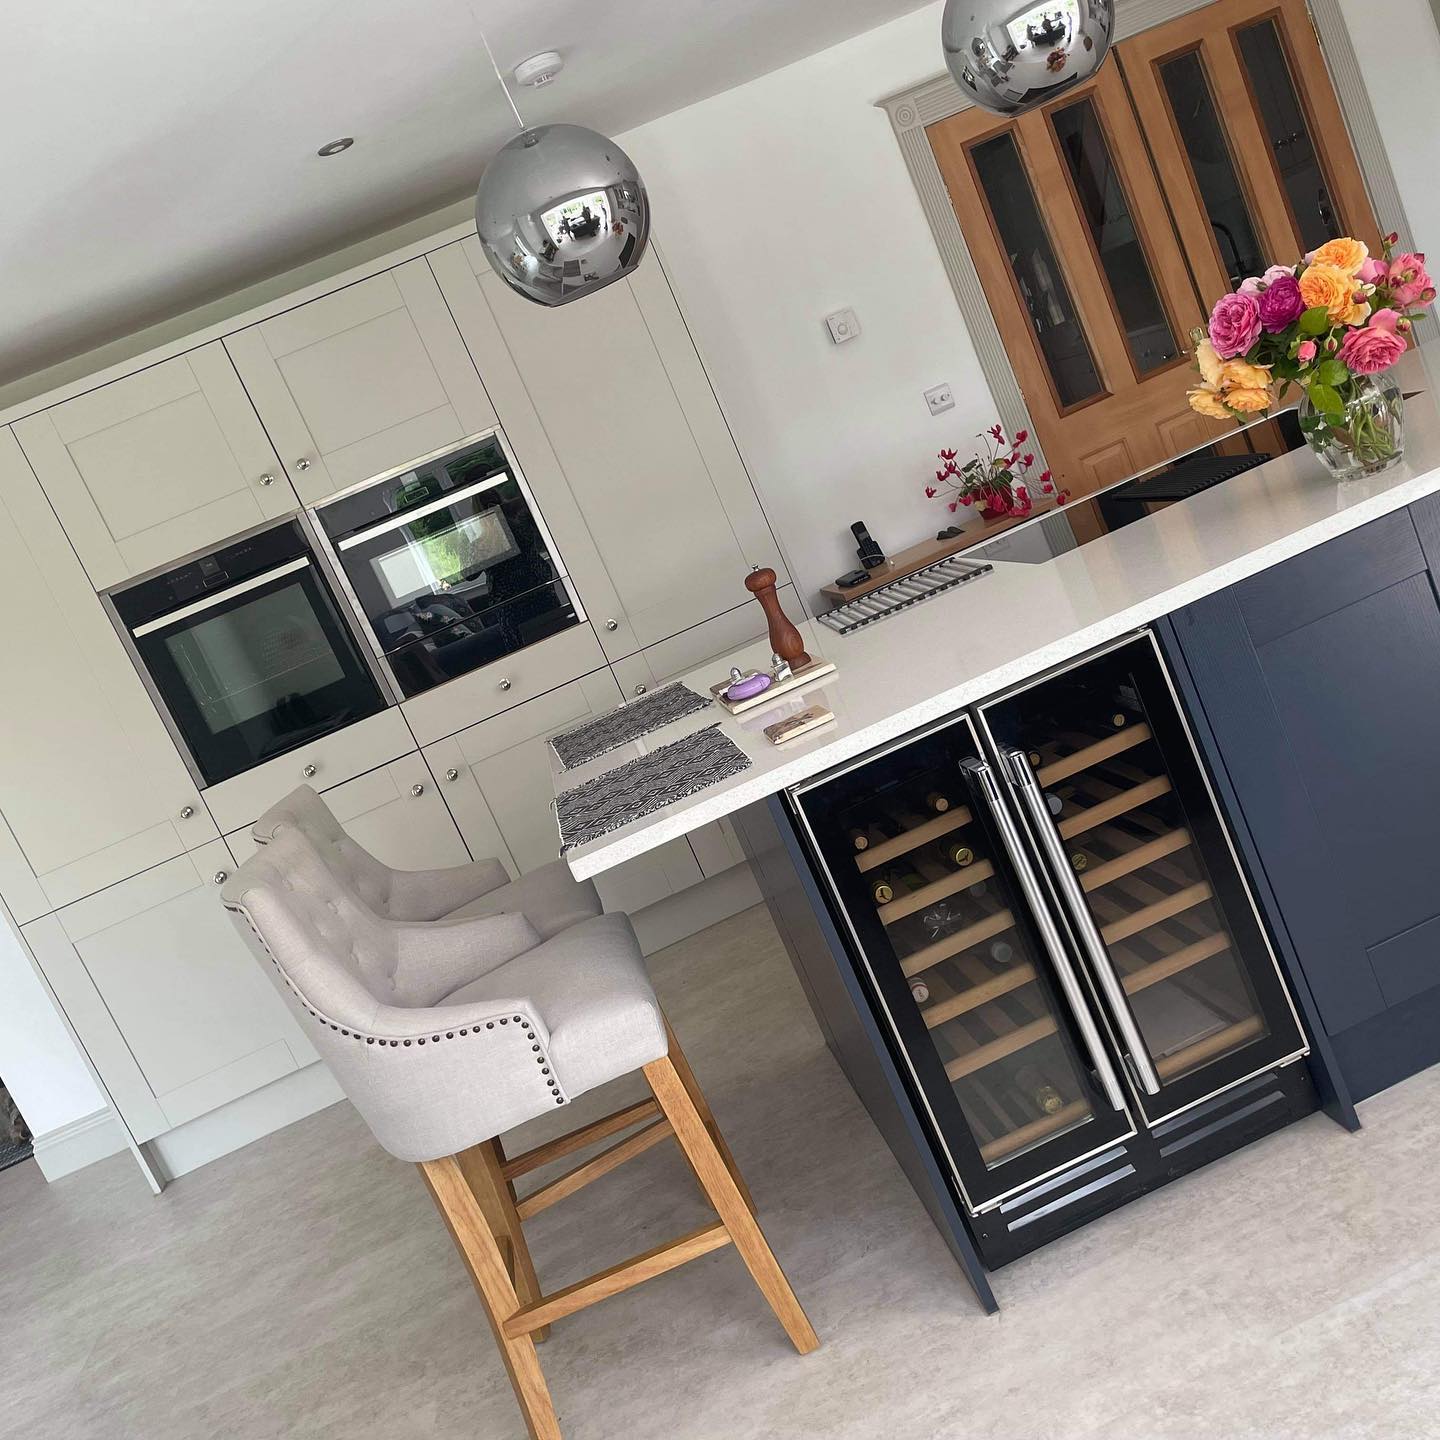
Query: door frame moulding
[(912, 109)]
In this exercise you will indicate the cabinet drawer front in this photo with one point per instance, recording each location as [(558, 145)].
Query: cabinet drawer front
[(362, 380), (382, 812), (504, 684), (716, 639), (335, 758), (153, 466)]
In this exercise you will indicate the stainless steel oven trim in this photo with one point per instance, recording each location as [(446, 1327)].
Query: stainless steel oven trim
[(937, 1130), (406, 517), (241, 587), (1120, 642)]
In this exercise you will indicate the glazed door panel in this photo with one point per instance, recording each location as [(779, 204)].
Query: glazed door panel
[(154, 466), (361, 381)]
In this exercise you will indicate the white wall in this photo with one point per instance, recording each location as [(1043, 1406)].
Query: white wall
[(39, 1062), (1398, 47), (781, 201)]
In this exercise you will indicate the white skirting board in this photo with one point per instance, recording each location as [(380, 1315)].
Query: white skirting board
[(82, 1142)]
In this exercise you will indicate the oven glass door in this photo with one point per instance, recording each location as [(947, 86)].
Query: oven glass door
[(450, 565), (257, 669)]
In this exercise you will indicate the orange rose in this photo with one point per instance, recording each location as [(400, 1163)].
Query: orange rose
[(1248, 400), (1346, 254), (1328, 286), (1208, 402), (1241, 375)]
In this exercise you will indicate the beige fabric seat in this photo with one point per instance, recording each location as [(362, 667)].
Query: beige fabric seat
[(550, 897)]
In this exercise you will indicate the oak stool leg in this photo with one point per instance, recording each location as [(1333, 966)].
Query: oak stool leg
[(480, 1250), (483, 1168), (697, 1097), (724, 1194)]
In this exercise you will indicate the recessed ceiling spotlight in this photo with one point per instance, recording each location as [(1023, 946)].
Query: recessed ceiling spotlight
[(539, 69), (336, 146)]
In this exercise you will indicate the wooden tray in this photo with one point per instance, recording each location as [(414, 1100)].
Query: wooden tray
[(817, 669)]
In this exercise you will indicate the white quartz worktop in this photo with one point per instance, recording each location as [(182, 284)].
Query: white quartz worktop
[(932, 660)]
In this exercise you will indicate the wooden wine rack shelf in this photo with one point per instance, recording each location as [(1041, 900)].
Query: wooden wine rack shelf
[(976, 995), (1101, 750), (1158, 970), (950, 945), (913, 839), (927, 895), (1117, 805), (1136, 859), (1165, 909), (1020, 1038), (1047, 1125), (1230, 1038)]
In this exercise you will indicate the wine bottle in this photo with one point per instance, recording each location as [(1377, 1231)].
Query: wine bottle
[(1035, 759), (1037, 1088), (937, 801), (1055, 803), (920, 990), (1002, 952), (960, 855), (882, 890), (859, 838), (1080, 861), (904, 879)]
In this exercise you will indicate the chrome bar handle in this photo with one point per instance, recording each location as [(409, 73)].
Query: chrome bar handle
[(982, 779), (1042, 827)]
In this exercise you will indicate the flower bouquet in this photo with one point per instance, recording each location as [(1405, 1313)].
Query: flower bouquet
[(995, 481), (1332, 325)]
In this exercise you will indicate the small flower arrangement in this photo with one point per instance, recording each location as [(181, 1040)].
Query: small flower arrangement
[(1326, 325), (995, 480)]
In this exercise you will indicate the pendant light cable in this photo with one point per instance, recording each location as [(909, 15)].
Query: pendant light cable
[(514, 109)]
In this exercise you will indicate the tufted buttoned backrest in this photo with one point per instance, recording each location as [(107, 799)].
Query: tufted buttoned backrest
[(302, 809)]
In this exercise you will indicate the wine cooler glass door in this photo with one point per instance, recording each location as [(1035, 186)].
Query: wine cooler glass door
[(966, 963), (1116, 803)]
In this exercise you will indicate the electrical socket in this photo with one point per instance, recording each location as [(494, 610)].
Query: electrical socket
[(940, 398)]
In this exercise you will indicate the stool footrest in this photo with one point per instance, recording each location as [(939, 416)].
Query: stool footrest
[(616, 1279), (579, 1139), (567, 1184)]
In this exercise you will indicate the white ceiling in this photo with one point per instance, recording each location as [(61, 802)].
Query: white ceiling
[(157, 154)]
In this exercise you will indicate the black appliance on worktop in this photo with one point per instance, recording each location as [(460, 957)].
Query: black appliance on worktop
[(1051, 929)]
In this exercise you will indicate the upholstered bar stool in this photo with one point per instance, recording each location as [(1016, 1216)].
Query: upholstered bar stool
[(445, 1035), (551, 898)]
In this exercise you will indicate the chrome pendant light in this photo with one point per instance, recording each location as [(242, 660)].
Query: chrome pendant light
[(561, 211), (1009, 60)]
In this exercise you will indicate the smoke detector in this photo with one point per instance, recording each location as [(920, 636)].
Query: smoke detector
[(539, 69)]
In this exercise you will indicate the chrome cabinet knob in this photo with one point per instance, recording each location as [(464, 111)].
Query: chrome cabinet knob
[(267, 479), (504, 684), (220, 876), (641, 689), (612, 624), (308, 772), (186, 811), (452, 773), (417, 789), (302, 464)]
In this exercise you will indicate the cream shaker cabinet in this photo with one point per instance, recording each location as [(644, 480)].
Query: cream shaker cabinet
[(361, 381), (152, 467), (172, 1005), (612, 395), (396, 812), (495, 776), (92, 788)]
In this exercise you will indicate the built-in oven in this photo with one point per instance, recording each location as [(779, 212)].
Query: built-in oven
[(449, 562), (246, 651)]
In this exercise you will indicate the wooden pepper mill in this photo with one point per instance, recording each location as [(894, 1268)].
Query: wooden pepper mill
[(785, 640)]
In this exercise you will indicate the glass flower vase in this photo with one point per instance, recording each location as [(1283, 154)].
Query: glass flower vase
[(1367, 436)]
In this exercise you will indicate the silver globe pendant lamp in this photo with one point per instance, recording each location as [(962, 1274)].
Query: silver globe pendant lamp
[(1011, 58), (561, 211)]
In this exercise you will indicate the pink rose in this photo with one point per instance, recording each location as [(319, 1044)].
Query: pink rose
[(1371, 350), (1372, 272), (1281, 305), (1307, 352), (1409, 281), (1386, 320), (1234, 325), (1257, 285)]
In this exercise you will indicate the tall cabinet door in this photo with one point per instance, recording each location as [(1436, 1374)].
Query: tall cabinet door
[(624, 408), (92, 788), (361, 381), (496, 779), (154, 466), (1106, 775)]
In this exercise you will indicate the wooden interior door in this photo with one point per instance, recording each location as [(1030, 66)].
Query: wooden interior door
[(1248, 137), (1090, 291), (1207, 149)]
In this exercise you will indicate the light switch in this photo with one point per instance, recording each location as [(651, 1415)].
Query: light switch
[(940, 398), (843, 326)]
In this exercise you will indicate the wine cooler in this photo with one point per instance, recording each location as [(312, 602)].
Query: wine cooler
[(1057, 939)]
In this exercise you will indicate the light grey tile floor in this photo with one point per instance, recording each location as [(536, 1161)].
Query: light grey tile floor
[(303, 1288)]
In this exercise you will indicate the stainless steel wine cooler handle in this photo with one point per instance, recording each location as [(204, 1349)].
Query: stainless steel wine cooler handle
[(1047, 837), (983, 781)]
